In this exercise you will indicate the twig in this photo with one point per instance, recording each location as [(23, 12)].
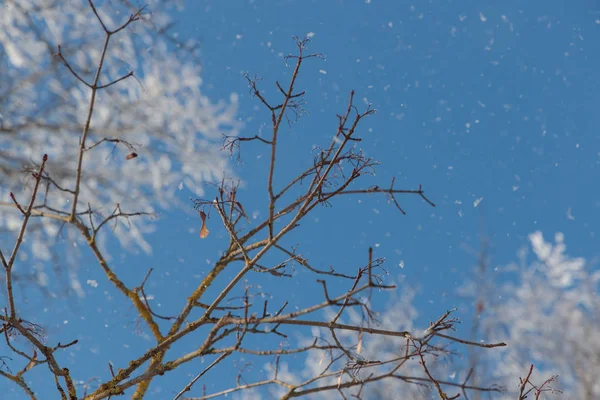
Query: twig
[(8, 265), (193, 381)]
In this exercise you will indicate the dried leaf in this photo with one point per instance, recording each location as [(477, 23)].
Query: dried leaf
[(242, 211), (360, 342), (131, 156), (30, 365), (203, 229)]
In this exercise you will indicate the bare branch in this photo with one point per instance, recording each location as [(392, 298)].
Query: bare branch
[(8, 265), (193, 381)]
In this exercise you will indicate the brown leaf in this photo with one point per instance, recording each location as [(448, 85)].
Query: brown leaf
[(203, 229), (360, 342), (131, 155), (242, 210), (29, 365)]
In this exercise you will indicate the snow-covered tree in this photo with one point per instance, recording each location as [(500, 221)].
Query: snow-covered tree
[(547, 309), (48, 49)]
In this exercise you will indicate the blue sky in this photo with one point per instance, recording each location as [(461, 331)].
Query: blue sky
[(481, 103), (475, 101), (492, 107)]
